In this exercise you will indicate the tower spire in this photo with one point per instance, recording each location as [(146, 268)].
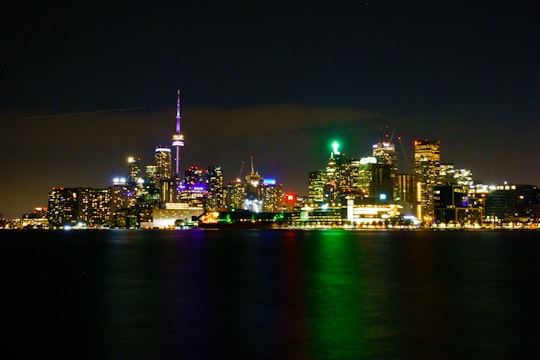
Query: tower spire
[(177, 138), (178, 113)]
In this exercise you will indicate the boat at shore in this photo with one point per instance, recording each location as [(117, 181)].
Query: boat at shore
[(242, 219)]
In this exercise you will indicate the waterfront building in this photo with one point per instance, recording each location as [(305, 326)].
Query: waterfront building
[(513, 203), (35, 220), (63, 207), (451, 205), (427, 160), (79, 206), (94, 207)]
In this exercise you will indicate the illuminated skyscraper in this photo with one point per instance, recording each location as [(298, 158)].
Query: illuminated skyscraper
[(271, 195), (385, 172), (69, 206), (134, 169), (192, 190), (427, 163), (236, 193), (253, 198), (338, 179), (216, 194), (177, 138), (63, 207), (163, 165), (316, 182)]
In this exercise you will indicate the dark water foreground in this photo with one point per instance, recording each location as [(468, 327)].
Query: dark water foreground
[(270, 294)]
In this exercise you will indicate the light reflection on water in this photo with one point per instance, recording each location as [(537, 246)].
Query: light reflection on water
[(272, 294)]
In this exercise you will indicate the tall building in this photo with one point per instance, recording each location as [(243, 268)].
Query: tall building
[(163, 165), (70, 206), (253, 197), (236, 193), (151, 175), (134, 166), (427, 162), (94, 206), (406, 188), (316, 182), (216, 194), (385, 172), (177, 138), (338, 179), (62, 207), (193, 189), (364, 177), (382, 183), (271, 196)]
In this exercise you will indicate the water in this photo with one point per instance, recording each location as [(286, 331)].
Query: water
[(270, 294)]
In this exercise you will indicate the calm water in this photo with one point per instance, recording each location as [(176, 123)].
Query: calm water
[(270, 294)]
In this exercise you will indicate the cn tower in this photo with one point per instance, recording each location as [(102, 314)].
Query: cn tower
[(178, 138)]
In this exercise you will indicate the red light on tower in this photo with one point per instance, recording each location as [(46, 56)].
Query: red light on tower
[(290, 197)]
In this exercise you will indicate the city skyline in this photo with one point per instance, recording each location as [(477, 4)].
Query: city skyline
[(83, 89)]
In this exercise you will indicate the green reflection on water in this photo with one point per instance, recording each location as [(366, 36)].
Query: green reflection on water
[(345, 315)]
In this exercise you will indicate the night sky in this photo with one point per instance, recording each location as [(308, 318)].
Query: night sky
[(83, 86)]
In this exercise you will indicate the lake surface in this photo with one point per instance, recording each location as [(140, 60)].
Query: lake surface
[(270, 294)]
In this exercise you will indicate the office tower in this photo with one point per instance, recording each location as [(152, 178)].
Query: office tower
[(177, 138), (163, 165), (385, 171), (513, 203), (236, 193), (451, 204), (216, 194), (316, 182), (364, 176), (121, 196), (427, 160), (271, 196), (338, 180), (382, 183), (253, 197), (406, 188), (163, 175), (151, 175), (134, 168)]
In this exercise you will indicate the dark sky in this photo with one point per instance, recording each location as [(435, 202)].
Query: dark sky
[(85, 85)]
